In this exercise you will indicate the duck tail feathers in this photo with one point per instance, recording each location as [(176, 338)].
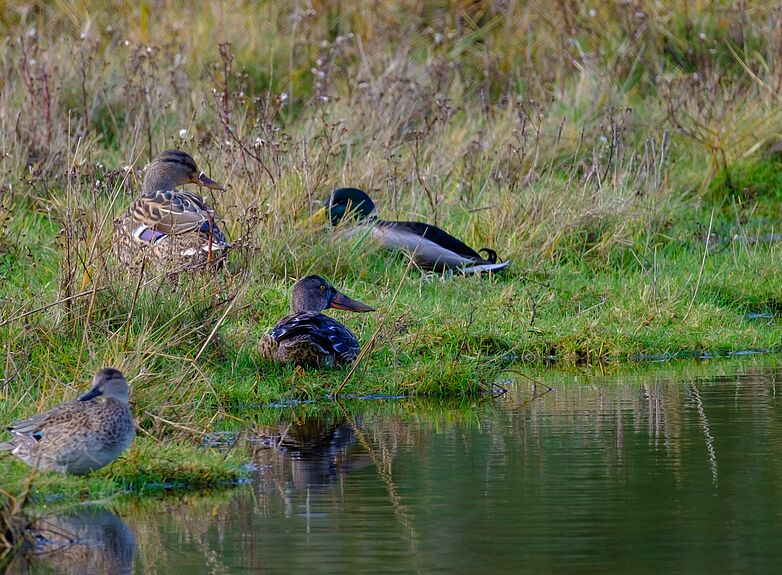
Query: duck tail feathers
[(491, 255)]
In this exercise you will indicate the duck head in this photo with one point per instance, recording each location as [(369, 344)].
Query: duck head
[(174, 168), (108, 383), (314, 294), (350, 202)]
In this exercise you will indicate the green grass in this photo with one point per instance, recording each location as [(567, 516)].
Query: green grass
[(628, 167), (438, 337), (150, 467)]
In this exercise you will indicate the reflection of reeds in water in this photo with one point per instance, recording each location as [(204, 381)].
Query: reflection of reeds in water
[(324, 467), (13, 525), (304, 454), (316, 452), (84, 540), (193, 518), (705, 428), (658, 407), (590, 411), (381, 454)]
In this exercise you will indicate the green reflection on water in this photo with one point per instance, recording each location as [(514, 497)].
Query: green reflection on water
[(657, 470)]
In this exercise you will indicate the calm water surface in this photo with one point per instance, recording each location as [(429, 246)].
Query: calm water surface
[(671, 471)]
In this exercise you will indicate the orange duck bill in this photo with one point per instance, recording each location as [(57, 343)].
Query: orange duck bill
[(341, 301)]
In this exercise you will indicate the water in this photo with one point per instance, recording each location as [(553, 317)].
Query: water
[(662, 472)]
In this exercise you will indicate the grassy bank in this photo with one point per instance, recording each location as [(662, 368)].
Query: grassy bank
[(625, 158), (149, 468)]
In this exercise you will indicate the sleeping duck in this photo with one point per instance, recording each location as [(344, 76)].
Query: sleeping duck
[(431, 248)]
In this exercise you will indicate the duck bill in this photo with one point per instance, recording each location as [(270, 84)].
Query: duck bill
[(341, 301), (91, 394), (208, 182), (319, 217)]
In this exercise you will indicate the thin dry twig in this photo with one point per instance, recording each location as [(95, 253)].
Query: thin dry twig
[(367, 349), (700, 270)]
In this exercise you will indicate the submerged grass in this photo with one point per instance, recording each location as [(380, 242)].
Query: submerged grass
[(624, 157)]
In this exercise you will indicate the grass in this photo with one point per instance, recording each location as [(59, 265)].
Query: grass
[(625, 158), (150, 467)]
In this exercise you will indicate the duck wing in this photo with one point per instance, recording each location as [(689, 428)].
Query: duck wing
[(319, 330), (173, 213), (434, 249), (436, 235), (62, 413)]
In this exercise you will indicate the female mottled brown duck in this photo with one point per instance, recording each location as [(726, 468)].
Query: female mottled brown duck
[(430, 247), (309, 338), (169, 224), (79, 436)]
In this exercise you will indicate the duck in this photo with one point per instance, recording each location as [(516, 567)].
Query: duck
[(431, 248), (170, 224), (308, 338), (79, 436)]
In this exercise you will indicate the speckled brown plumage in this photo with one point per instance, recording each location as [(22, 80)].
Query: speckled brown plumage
[(306, 337), (79, 436), (170, 225)]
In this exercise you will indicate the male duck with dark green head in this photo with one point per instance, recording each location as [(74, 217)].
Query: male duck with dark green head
[(169, 223), (431, 247)]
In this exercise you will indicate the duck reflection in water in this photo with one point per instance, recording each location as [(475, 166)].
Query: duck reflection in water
[(311, 451), (89, 539)]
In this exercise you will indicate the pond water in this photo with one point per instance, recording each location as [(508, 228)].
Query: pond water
[(676, 469)]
